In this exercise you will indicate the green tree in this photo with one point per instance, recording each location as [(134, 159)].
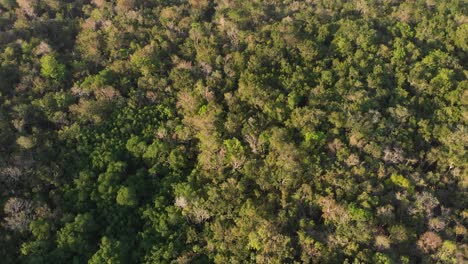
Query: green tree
[(110, 252), (126, 196), (52, 68)]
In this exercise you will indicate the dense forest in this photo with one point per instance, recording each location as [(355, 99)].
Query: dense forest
[(233, 131)]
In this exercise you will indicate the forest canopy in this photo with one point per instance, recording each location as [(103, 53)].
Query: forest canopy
[(234, 131)]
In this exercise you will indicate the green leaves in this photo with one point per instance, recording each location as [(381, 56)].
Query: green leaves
[(52, 68), (110, 252), (178, 159), (126, 196), (315, 137), (76, 237), (155, 152), (41, 229), (136, 146), (232, 131), (400, 181)]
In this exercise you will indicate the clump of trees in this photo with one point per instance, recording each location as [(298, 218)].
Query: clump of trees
[(233, 131)]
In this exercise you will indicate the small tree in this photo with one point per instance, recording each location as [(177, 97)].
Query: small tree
[(127, 197), (109, 252), (51, 68)]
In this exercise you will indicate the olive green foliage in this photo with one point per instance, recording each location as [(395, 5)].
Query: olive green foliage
[(51, 68), (237, 131)]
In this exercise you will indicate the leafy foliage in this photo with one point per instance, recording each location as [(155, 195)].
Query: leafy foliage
[(233, 131)]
